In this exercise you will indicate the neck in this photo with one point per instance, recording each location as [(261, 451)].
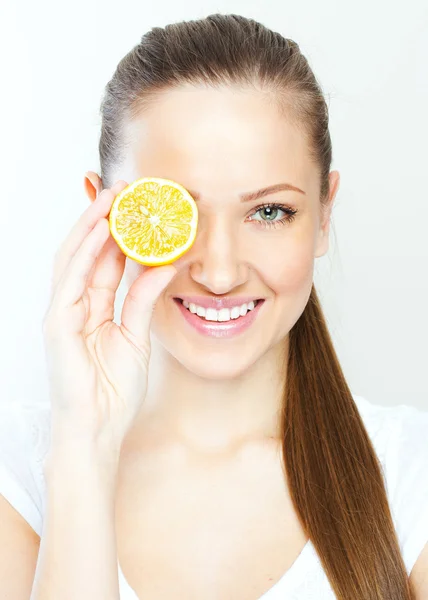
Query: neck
[(211, 415)]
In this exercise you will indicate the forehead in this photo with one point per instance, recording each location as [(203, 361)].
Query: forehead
[(210, 139)]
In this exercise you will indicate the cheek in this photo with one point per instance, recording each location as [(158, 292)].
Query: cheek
[(290, 277), (288, 268), (295, 273)]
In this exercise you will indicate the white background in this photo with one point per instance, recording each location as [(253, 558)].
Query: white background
[(372, 61)]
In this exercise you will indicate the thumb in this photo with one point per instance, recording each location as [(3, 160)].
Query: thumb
[(141, 300)]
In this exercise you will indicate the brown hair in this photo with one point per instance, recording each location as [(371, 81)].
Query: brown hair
[(333, 472)]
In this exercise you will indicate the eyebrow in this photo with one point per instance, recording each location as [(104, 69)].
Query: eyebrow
[(248, 196)]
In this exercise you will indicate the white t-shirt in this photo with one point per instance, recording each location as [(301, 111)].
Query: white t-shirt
[(399, 434)]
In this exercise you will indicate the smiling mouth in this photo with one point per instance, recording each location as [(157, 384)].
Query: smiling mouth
[(216, 315)]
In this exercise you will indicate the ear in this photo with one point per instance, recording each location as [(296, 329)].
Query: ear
[(324, 230), (92, 185)]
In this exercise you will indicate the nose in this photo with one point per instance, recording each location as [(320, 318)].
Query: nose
[(217, 260)]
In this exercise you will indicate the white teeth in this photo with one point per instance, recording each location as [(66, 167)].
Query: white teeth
[(224, 314), (200, 311), (235, 312), (211, 314)]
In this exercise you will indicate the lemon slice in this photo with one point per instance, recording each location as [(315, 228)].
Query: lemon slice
[(154, 220)]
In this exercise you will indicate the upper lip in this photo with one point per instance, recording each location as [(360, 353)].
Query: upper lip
[(218, 303)]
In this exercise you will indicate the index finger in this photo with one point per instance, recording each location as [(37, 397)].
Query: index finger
[(98, 209)]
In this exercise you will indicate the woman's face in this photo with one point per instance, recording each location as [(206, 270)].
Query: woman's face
[(222, 144)]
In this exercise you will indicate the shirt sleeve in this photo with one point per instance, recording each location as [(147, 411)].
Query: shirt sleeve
[(407, 479), (17, 483)]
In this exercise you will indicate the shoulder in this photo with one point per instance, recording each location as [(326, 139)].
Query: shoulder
[(400, 436), (24, 441)]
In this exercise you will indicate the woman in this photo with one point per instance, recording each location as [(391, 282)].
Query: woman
[(218, 459)]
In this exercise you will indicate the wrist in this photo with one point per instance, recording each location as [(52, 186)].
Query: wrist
[(70, 459)]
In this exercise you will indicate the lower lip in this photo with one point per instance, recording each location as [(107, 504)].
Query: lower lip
[(220, 329)]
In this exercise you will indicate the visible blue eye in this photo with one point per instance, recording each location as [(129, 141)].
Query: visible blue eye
[(271, 211)]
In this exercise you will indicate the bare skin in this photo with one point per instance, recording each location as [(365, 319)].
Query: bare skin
[(202, 506), (193, 527)]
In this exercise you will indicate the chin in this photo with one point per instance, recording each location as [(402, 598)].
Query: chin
[(224, 369), (220, 361)]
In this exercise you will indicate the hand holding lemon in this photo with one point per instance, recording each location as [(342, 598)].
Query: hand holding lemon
[(98, 370)]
